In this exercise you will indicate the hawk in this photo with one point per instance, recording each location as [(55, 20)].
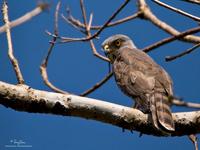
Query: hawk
[(142, 79)]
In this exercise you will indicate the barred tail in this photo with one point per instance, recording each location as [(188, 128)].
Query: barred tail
[(161, 112)]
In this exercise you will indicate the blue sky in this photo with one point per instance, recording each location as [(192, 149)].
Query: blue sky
[(72, 67)]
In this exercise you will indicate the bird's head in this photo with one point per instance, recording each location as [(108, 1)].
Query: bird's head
[(114, 44)]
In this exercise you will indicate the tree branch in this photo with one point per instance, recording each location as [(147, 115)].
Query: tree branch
[(148, 14), (28, 16), (76, 23), (24, 98), (97, 85), (10, 47), (193, 1), (43, 67), (170, 58), (87, 29), (67, 39), (193, 138), (177, 10), (170, 39), (179, 102)]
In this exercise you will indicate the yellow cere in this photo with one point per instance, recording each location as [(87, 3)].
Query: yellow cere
[(106, 47)]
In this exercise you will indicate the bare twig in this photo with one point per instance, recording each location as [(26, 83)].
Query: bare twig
[(177, 10), (170, 58), (87, 28), (97, 85), (84, 16), (10, 47), (43, 67), (40, 8), (66, 39), (90, 21), (178, 102), (73, 25), (94, 50), (170, 39), (96, 53), (75, 22), (147, 14), (193, 138), (110, 19)]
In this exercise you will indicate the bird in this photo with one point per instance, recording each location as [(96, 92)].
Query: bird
[(142, 79)]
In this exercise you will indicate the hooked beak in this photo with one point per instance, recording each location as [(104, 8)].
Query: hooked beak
[(106, 52), (106, 49)]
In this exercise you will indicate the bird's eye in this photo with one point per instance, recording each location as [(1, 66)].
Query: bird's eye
[(106, 47), (118, 43)]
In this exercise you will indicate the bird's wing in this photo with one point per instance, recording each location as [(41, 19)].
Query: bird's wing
[(139, 69), (150, 82), (139, 82), (140, 61)]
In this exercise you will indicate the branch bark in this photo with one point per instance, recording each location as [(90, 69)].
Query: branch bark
[(24, 98), (28, 16), (148, 14)]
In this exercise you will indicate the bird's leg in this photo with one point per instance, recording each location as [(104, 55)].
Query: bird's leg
[(135, 105)]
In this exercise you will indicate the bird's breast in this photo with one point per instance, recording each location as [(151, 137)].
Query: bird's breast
[(121, 71)]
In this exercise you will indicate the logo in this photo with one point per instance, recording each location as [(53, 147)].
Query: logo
[(17, 143)]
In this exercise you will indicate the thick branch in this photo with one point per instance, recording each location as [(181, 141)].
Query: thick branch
[(24, 98)]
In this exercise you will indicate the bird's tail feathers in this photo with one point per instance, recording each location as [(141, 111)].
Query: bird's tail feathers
[(161, 112)]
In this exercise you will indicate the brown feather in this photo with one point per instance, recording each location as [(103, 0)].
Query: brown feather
[(163, 111), (139, 77)]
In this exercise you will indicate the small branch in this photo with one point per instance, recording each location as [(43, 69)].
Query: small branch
[(43, 67), (147, 14), (24, 98), (177, 10), (75, 22), (56, 18), (193, 138), (28, 16), (66, 39), (10, 48), (88, 32), (170, 58), (70, 23), (178, 102), (110, 19), (97, 85), (84, 16), (170, 39), (46, 80), (96, 53)]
